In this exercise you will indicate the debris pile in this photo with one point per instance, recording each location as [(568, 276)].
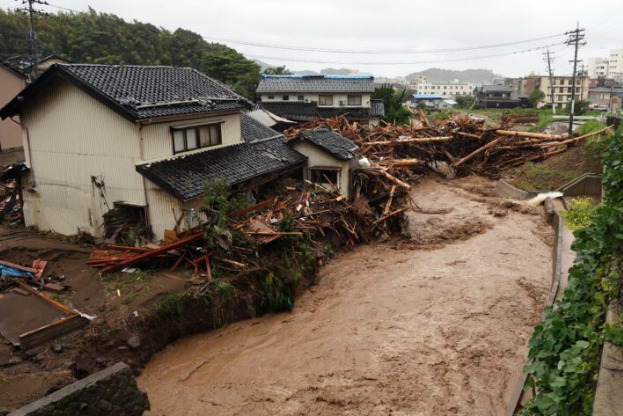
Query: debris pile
[(459, 145), (320, 212), (11, 203)]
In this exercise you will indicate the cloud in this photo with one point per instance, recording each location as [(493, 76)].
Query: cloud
[(386, 25)]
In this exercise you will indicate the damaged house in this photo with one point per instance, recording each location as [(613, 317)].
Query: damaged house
[(304, 97), (140, 142)]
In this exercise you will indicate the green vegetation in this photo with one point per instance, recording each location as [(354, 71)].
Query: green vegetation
[(395, 112), (536, 176), (277, 70), (590, 126), (565, 347), (535, 97), (102, 38), (579, 213), (465, 101)]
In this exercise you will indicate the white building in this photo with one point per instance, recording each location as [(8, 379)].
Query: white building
[(421, 85), (611, 67)]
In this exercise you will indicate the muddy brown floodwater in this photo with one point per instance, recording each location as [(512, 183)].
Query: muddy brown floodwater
[(433, 326)]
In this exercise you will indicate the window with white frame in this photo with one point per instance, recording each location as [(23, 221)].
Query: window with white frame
[(196, 137)]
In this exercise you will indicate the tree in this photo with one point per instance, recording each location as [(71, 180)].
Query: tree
[(277, 70), (395, 112), (580, 107), (92, 37), (536, 97), (465, 101)]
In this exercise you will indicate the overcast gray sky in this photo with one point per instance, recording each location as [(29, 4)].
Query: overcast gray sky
[(380, 25)]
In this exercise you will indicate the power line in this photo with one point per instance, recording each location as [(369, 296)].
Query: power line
[(64, 8), (403, 63), (379, 52)]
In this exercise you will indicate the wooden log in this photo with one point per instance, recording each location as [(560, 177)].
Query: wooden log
[(477, 151), (576, 139), (388, 204), (386, 175), (393, 214), (142, 257), (52, 331), (409, 140), (403, 162), (528, 134), (49, 300)]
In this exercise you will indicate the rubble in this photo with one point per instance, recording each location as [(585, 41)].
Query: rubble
[(463, 144)]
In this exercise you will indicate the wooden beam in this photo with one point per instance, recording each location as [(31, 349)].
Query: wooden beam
[(153, 253), (475, 152), (52, 331), (513, 133)]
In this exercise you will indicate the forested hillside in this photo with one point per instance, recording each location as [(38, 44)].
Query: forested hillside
[(93, 37)]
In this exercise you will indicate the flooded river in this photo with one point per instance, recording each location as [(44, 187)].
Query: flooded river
[(433, 326)]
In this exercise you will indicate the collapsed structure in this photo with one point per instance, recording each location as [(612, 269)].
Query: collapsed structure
[(141, 141)]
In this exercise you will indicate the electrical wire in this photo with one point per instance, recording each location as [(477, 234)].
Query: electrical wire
[(380, 52), (282, 59)]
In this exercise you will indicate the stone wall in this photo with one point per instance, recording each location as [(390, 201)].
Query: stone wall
[(112, 391)]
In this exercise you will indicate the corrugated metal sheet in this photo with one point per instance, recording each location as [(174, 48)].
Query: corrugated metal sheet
[(157, 137), (72, 139)]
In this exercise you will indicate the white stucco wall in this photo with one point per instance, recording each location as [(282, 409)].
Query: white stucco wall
[(69, 138), (365, 98), (319, 158)]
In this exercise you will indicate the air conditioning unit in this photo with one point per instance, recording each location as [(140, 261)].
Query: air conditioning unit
[(307, 100), (342, 104)]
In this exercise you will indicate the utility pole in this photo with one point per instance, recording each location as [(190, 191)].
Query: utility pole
[(29, 10), (549, 59), (576, 37)]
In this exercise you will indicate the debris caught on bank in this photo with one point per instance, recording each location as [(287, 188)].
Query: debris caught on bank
[(461, 144)]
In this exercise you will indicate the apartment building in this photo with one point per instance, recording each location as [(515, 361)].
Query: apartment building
[(421, 85), (562, 88)]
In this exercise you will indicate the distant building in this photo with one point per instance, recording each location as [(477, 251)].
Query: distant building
[(597, 67), (604, 98), (304, 97), (610, 67), (499, 96), (562, 87), (421, 85), (434, 101)]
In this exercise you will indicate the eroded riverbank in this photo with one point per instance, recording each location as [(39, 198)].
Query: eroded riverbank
[(432, 326)]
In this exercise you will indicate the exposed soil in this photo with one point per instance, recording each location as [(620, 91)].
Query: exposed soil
[(389, 329), (29, 375)]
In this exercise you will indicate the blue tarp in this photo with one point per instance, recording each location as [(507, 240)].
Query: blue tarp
[(327, 76), (10, 271), (427, 96)]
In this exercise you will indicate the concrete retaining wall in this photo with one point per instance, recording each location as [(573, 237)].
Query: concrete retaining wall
[(506, 190), (112, 391)]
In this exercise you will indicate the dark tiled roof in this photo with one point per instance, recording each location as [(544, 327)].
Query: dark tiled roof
[(300, 111), (253, 130), (496, 88), (316, 83), (377, 108), (184, 176), (140, 92), (297, 111), (331, 142)]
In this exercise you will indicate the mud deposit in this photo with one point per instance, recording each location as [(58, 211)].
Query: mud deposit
[(390, 328)]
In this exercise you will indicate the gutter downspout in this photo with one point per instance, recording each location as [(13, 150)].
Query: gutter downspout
[(142, 156)]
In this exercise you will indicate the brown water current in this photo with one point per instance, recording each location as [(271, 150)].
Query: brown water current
[(433, 326)]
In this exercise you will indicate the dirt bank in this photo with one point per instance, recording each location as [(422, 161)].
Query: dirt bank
[(389, 329)]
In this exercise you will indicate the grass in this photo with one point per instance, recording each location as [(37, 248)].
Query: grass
[(533, 176), (119, 280)]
